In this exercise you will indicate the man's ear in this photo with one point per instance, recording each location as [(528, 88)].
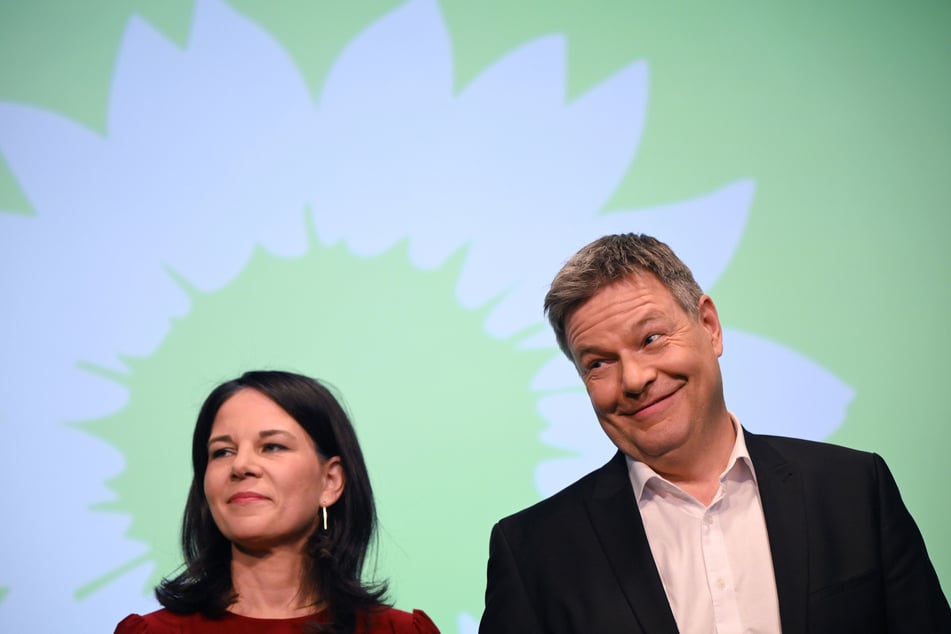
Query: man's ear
[(710, 320)]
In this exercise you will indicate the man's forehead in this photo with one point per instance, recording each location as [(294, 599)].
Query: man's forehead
[(636, 279), (640, 282)]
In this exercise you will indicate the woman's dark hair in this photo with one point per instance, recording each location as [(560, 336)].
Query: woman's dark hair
[(335, 556)]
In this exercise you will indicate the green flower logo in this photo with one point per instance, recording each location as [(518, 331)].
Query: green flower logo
[(394, 238)]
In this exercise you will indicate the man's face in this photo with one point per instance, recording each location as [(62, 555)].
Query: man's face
[(651, 369)]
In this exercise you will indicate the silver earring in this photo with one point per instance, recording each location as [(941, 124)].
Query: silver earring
[(323, 514)]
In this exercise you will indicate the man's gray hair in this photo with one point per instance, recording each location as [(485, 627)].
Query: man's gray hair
[(608, 260)]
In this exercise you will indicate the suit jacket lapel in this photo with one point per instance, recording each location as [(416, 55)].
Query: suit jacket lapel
[(780, 489), (617, 522)]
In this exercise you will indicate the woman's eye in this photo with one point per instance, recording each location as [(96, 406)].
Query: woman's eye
[(273, 446), (220, 452)]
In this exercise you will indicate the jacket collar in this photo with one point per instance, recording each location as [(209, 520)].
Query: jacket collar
[(617, 522), (613, 512), (780, 490)]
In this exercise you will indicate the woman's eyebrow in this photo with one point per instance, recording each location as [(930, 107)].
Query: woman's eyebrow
[(222, 438), (265, 433)]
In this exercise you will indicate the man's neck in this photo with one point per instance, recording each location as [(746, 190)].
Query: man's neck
[(696, 467)]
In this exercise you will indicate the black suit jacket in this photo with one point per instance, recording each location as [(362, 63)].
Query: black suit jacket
[(846, 553)]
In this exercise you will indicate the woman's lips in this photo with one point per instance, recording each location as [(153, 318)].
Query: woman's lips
[(246, 497)]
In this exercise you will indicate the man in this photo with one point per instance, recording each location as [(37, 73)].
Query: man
[(697, 525)]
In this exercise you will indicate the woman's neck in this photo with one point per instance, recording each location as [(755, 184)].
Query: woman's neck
[(270, 585)]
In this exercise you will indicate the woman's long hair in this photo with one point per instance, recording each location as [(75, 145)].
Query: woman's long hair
[(334, 557)]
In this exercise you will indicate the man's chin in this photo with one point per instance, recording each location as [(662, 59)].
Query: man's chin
[(650, 445)]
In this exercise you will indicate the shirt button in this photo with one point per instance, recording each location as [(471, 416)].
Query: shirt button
[(721, 584)]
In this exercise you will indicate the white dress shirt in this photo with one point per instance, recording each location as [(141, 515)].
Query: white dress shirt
[(714, 560)]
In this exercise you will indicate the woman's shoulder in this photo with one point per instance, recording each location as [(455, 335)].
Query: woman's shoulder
[(158, 622), (166, 622), (384, 621), (393, 621)]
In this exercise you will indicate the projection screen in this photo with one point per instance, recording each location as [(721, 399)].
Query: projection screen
[(378, 194)]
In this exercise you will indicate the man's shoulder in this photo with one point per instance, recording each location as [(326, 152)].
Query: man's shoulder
[(566, 502), (806, 454), (802, 446)]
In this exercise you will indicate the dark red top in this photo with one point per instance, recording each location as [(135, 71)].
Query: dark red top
[(388, 621)]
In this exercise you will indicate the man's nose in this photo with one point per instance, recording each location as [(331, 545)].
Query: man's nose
[(636, 374)]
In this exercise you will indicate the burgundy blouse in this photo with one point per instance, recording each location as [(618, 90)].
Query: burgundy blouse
[(387, 621)]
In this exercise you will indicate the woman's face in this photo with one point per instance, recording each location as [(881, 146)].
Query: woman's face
[(265, 482)]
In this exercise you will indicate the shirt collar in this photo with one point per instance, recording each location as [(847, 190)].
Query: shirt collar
[(640, 474)]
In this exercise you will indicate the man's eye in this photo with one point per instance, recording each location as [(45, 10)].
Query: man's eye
[(594, 365), (651, 339)]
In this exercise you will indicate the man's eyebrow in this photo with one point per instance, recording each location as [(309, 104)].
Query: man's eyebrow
[(588, 350), (653, 315)]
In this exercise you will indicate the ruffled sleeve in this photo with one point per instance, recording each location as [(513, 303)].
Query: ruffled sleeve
[(132, 624), (158, 622), (393, 621), (424, 624)]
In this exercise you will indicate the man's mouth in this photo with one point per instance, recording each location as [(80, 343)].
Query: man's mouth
[(650, 406)]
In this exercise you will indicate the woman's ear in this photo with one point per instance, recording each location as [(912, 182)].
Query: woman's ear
[(334, 481)]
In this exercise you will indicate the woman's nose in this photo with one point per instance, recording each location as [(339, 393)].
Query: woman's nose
[(245, 464)]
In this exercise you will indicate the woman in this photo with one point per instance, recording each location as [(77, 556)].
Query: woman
[(278, 520)]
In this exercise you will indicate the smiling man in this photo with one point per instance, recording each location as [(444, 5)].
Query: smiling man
[(697, 525)]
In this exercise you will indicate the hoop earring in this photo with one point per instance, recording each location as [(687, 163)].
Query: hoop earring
[(323, 517)]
